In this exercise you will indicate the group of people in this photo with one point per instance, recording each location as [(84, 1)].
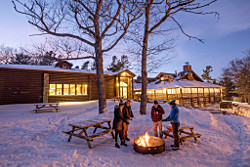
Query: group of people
[(123, 113)]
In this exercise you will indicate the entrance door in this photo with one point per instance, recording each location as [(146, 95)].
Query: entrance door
[(124, 92)]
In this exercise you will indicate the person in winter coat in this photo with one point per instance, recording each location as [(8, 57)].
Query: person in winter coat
[(174, 120), (118, 124), (127, 115), (156, 116)]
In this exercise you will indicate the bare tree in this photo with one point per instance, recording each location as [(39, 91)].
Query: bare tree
[(99, 24), (156, 13), (7, 54)]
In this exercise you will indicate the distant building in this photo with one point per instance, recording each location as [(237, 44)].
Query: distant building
[(186, 87), (59, 83)]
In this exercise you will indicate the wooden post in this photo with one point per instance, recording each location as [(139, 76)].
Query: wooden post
[(132, 88), (89, 87), (119, 82), (45, 87)]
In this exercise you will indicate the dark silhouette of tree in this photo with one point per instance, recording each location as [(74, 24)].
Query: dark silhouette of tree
[(236, 77), (206, 74), (85, 65), (119, 64)]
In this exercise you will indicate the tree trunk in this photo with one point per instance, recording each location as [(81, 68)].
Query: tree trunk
[(100, 79), (144, 81)]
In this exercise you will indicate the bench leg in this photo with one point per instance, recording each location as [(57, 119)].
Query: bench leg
[(89, 145), (70, 136)]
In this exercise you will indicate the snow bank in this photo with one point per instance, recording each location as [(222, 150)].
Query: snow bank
[(29, 139)]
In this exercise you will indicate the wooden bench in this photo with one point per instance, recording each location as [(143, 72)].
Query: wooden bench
[(83, 126), (46, 107), (181, 131)]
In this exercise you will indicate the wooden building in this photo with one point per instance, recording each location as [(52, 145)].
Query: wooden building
[(37, 84), (187, 88)]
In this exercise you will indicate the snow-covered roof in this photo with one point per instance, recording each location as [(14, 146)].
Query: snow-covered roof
[(53, 68), (181, 83)]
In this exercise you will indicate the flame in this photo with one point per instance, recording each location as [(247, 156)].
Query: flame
[(143, 140)]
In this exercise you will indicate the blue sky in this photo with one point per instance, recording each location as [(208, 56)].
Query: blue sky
[(225, 39)]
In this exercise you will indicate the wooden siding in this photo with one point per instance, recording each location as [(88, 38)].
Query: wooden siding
[(20, 86)]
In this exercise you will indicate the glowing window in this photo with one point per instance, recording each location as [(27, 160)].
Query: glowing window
[(52, 89), (200, 90), (211, 90), (194, 90), (65, 89), (186, 90), (72, 89), (58, 89), (206, 90), (84, 89), (78, 89)]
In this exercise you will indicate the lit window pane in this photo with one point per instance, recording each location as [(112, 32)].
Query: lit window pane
[(78, 89), (211, 90), (58, 89), (72, 89), (169, 91), (194, 90), (206, 90), (66, 89), (200, 90), (52, 89), (84, 89)]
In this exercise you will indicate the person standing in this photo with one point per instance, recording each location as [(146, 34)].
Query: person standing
[(156, 116), (174, 120), (127, 115), (118, 124)]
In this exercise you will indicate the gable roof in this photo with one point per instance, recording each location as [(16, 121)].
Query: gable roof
[(163, 73), (183, 75)]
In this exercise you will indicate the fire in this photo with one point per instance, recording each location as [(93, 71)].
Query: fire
[(143, 140)]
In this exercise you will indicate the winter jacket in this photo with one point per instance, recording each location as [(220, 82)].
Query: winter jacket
[(127, 112), (173, 116), (157, 117), (118, 119)]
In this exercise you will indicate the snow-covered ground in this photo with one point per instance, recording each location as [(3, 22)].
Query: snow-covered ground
[(29, 139)]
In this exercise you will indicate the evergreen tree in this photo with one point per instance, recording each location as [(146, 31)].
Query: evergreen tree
[(21, 58), (85, 65), (206, 75), (118, 65), (93, 67)]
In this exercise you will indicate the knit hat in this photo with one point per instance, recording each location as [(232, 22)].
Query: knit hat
[(155, 102), (172, 102)]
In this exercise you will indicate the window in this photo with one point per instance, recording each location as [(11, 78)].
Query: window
[(186, 90), (200, 90), (72, 89), (68, 89), (65, 89), (194, 90), (78, 89), (169, 91), (211, 90), (58, 89), (206, 90), (52, 89), (84, 89)]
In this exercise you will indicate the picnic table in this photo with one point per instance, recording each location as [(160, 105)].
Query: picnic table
[(46, 107), (183, 130), (82, 127)]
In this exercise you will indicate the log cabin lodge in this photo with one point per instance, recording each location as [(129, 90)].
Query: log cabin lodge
[(62, 83)]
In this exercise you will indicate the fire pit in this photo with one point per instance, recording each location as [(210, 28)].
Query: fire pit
[(149, 144)]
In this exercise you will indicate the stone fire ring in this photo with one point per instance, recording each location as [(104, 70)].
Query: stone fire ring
[(156, 146)]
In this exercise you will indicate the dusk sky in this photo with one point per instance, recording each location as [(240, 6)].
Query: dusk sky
[(225, 39)]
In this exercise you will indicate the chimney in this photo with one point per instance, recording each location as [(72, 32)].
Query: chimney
[(187, 67)]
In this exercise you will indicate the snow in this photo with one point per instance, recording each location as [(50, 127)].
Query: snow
[(52, 68), (29, 139), (181, 83)]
